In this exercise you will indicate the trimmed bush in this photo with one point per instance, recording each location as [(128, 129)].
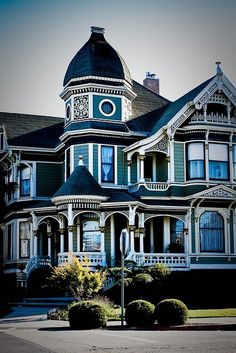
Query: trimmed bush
[(171, 312), (139, 313), (87, 315), (142, 279)]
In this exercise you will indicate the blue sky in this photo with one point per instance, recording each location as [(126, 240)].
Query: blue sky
[(178, 40)]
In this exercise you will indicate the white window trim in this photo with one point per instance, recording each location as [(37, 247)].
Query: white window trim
[(100, 162)]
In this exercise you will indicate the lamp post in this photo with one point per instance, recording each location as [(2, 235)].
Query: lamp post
[(124, 243)]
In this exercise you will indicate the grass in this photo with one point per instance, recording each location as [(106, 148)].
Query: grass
[(212, 313)]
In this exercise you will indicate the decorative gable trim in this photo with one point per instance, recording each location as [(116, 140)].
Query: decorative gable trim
[(217, 192)]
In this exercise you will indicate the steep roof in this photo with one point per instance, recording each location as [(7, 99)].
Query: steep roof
[(47, 137), (17, 124), (80, 183), (97, 58)]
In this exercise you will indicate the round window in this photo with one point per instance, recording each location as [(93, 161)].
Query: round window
[(68, 112), (107, 107)]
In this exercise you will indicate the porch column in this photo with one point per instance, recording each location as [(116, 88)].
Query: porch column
[(141, 240), (70, 238), (49, 234), (62, 246), (70, 228), (112, 221), (35, 242), (166, 231), (151, 236), (131, 232), (78, 235), (49, 244), (102, 230), (129, 172), (141, 177)]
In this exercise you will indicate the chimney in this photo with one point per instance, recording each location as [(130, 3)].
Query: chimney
[(152, 83)]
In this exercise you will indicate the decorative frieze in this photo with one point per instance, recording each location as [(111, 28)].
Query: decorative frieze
[(161, 146), (81, 107)]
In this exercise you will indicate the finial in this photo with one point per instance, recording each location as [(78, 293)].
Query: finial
[(81, 160), (95, 29), (218, 68)]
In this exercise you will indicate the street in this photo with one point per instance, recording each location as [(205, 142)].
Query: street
[(36, 334)]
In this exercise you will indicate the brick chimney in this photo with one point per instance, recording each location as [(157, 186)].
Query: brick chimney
[(151, 82)]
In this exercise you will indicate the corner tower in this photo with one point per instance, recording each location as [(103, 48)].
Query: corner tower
[(97, 83)]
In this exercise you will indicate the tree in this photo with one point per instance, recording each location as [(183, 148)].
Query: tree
[(76, 279)]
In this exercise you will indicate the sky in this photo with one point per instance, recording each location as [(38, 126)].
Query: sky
[(178, 40)]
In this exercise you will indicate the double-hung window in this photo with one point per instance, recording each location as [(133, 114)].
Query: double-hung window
[(107, 164), (195, 157), (218, 161), (24, 234)]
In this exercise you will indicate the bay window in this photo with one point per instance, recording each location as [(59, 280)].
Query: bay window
[(211, 232), (25, 180), (218, 161), (195, 157), (24, 235), (107, 164), (91, 235)]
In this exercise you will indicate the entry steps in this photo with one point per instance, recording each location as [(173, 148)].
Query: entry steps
[(44, 302)]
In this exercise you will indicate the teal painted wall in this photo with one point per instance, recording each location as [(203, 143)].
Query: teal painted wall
[(95, 161), (179, 162), (81, 150), (134, 170), (96, 112), (162, 168), (121, 167), (49, 178)]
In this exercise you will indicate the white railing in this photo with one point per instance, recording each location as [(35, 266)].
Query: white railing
[(37, 261), (170, 260), (214, 118), (150, 185), (109, 283), (93, 259)]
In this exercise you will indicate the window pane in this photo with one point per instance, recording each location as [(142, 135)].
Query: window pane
[(196, 169), (91, 236), (211, 232), (195, 151), (218, 152), (25, 176), (24, 239), (107, 164), (218, 170)]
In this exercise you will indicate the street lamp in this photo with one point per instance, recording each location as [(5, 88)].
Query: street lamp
[(124, 244)]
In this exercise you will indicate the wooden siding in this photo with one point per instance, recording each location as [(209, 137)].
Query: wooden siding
[(121, 167), (95, 161), (134, 171), (162, 168), (108, 242), (49, 177), (179, 162), (81, 150)]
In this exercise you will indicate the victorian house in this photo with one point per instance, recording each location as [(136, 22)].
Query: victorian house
[(123, 157)]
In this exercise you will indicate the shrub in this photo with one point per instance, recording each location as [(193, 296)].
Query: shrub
[(139, 313), (87, 315), (142, 279), (159, 271), (171, 312)]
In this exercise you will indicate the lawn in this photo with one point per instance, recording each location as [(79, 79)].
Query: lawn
[(212, 312)]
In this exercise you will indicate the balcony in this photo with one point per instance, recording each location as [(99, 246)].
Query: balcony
[(94, 259), (149, 185), (171, 260)]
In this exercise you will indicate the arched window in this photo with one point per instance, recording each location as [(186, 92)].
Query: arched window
[(91, 235), (176, 235), (211, 232), (25, 179)]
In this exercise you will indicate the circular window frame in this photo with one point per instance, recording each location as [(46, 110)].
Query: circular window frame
[(68, 110), (107, 101)]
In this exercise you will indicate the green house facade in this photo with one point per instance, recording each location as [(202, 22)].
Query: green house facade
[(122, 157)]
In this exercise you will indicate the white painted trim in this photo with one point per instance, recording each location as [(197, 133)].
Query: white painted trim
[(90, 157), (115, 166), (72, 161)]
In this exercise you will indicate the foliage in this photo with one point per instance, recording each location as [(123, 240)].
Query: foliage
[(142, 279), (87, 315), (171, 312), (57, 314), (139, 313), (76, 279), (158, 271), (116, 272)]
